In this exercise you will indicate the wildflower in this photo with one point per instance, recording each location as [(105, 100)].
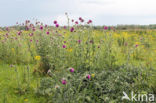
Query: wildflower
[(79, 41), (46, 25), (71, 69), (26, 28), (6, 34), (47, 32), (64, 41), (31, 34), (105, 27), (72, 29), (70, 50), (7, 29), (150, 59), (55, 22), (93, 75), (13, 50), (41, 27), (80, 18), (37, 58), (72, 20), (33, 29), (76, 22), (25, 100), (137, 44), (89, 21), (64, 46), (65, 27), (88, 76), (19, 33), (57, 25), (30, 40), (64, 82)]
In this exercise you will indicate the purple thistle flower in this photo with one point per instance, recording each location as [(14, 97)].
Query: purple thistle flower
[(26, 28), (80, 18), (71, 69), (7, 29), (57, 25), (46, 25), (31, 34), (89, 21), (47, 32), (79, 41), (88, 76), (55, 22), (64, 46), (19, 33), (7, 34), (65, 27), (105, 27), (76, 22), (33, 29), (41, 27), (64, 82), (72, 29)]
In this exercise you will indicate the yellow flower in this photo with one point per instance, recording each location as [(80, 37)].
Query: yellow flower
[(37, 57), (150, 59), (93, 75), (25, 100), (125, 35), (137, 43), (143, 46), (70, 50), (12, 49), (116, 35)]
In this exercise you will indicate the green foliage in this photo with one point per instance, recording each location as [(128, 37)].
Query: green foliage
[(106, 86)]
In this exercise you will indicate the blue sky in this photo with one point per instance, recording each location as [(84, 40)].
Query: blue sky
[(102, 12)]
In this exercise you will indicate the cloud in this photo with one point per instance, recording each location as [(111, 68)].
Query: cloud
[(100, 11)]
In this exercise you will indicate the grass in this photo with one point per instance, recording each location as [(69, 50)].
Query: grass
[(9, 83), (119, 60)]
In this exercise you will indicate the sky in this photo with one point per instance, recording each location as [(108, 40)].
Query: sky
[(101, 12)]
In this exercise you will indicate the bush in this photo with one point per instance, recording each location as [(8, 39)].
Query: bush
[(105, 86)]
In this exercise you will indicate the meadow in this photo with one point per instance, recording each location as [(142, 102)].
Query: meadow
[(75, 63)]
